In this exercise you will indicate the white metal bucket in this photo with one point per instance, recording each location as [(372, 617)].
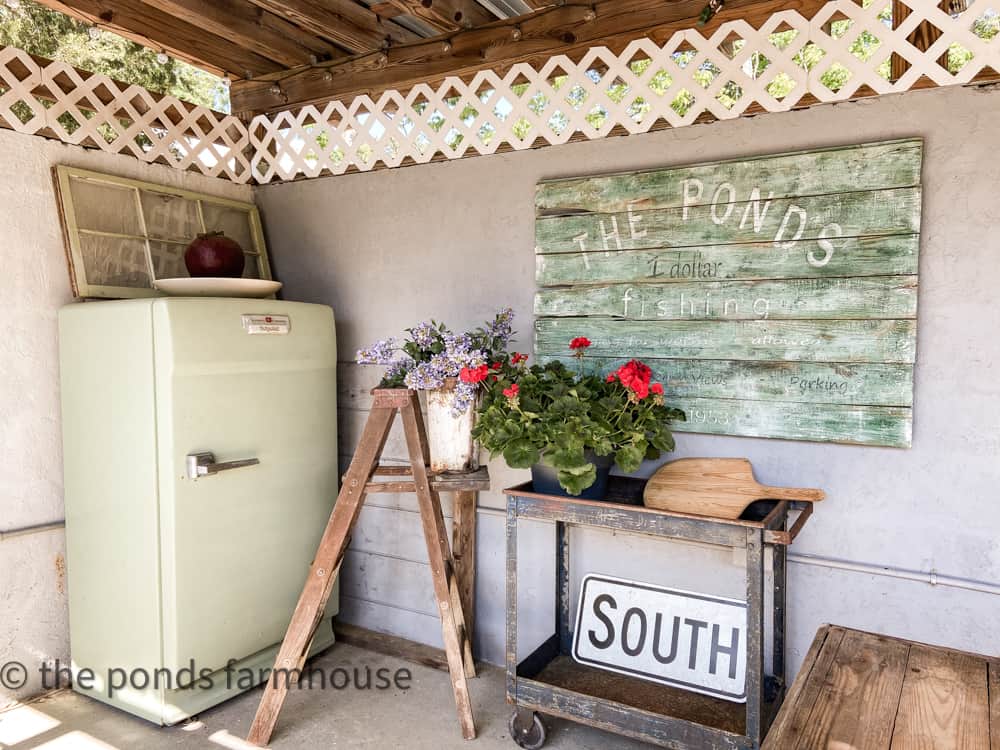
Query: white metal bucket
[(452, 447)]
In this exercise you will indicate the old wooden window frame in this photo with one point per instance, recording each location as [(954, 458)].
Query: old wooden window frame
[(72, 232)]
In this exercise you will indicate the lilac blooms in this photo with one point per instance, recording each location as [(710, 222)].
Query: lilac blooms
[(398, 368), (379, 353), (501, 327), (424, 335), (425, 376), (432, 354)]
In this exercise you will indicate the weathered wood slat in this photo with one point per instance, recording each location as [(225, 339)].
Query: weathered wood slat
[(853, 256), (857, 704), (812, 382), (389, 532), (391, 645), (350, 427), (651, 521), (788, 725), (994, 676), (861, 425), (404, 623), (881, 341), (389, 581), (734, 218), (890, 164), (874, 297), (945, 702)]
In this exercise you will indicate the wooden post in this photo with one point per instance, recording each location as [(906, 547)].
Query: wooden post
[(463, 550)]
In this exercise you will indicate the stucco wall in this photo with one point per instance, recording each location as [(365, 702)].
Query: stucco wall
[(34, 283), (454, 241)]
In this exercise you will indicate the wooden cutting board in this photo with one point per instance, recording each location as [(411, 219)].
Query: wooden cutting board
[(718, 487)]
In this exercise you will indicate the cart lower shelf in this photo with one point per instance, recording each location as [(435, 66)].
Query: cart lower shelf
[(638, 708), (568, 674)]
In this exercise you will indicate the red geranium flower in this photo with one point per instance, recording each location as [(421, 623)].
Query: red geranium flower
[(517, 358), (497, 365), (474, 374), (580, 342), (512, 391), (635, 375), (611, 378), (657, 388)]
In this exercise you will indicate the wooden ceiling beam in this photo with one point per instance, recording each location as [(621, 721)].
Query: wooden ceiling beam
[(568, 29), (250, 27), (344, 22), (153, 28), (385, 10), (445, 15)]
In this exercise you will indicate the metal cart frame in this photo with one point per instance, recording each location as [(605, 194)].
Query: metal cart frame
[(530, 693)]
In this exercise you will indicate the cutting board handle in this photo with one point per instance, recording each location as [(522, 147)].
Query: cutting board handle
[(793, 493)]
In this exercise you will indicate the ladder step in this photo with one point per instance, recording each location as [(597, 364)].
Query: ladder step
[(442, 482)]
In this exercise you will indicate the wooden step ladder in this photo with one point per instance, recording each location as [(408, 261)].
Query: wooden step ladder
[(357, 484)]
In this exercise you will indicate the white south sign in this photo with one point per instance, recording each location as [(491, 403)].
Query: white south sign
[(679, 638)]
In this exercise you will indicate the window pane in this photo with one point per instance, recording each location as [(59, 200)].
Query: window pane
[(104, 208), (235, 223), (168, 260), (252, 268), (170, 216), (110, 261)]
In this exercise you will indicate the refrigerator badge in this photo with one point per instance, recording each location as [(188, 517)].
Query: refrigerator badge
[(273, 325)]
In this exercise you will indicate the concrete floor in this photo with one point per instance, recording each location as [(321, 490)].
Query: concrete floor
[(419, 718)]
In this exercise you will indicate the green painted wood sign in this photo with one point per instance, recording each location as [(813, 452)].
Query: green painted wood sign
[(775, 297)]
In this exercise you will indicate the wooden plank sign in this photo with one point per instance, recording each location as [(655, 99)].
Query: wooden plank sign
[(775, 296)]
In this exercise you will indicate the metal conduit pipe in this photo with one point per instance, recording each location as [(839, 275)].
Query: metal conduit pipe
[(28, 530), (931, 577)]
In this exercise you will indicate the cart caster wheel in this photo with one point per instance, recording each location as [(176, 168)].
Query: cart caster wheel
[(527, 730)]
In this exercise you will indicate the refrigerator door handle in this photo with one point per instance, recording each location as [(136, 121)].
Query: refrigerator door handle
[(203, 464)]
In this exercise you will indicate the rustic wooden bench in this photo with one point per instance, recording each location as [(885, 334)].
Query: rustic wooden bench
[(864, 691)]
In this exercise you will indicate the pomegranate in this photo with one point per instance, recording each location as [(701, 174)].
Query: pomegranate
[(214, 254)]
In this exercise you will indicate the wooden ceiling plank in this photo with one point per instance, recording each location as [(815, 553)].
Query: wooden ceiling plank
[(385, 10), (344, 22), (241, 22), (153, 28), (446, 15), (320, 47), (568, 29)]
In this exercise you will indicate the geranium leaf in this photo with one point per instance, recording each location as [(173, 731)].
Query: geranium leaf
[(566, 456), (578, 479), (521, 454), (629, 457)]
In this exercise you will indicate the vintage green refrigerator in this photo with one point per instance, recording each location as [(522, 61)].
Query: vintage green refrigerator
[(200, 467)]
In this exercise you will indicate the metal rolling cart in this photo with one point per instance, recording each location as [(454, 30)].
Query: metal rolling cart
[(551, 682)]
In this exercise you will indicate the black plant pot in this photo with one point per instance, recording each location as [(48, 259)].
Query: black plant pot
[(545, 479)]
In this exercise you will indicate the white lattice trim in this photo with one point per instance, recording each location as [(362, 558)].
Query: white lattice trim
[(841, 53), (686, 77), (98, 112)]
